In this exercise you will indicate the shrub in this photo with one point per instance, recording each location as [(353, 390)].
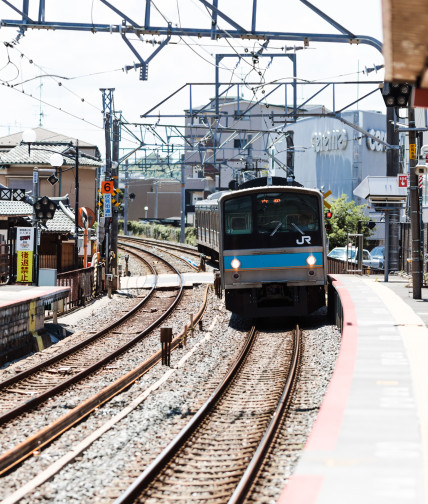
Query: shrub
[(159, 231)]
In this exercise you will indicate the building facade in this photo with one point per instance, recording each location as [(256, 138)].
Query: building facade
[(17, 163), (329, 154), (154, 199)]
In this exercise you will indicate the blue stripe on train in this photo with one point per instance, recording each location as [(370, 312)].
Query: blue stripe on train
[(266, 261)]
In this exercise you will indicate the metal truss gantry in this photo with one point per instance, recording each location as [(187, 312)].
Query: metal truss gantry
[(139, 28)]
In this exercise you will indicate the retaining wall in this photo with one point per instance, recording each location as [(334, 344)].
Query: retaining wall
[(22, 325)]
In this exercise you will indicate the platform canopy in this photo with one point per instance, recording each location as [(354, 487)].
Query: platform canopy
[(381, 190), (405, 46)]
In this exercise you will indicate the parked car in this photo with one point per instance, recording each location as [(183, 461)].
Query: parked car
[(378, 253), (340, 254)]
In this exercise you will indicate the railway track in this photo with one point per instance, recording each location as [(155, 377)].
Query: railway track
[(218, 455), (30, 388), (180, 252)]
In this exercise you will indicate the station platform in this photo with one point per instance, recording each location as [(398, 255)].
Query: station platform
[(369, 443), (12, 294), (166, 281), (22, 317)]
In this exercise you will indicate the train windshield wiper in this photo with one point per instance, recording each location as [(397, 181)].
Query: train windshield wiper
[(276, 229), (298, 229)]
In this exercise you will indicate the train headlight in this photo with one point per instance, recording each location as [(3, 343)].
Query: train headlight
[(235, 263), (311, 260)]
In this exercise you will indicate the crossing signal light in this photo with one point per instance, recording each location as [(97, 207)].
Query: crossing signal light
[(328, 215), (44, 208)]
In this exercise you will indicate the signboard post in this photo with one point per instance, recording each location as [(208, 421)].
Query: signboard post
[(107, 205), (25, 254)]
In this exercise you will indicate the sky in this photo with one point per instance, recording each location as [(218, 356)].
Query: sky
[(53, 78)]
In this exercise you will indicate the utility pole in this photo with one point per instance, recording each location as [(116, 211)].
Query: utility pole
[(35, 225), (107, 177), (414, 209), (392, 170), (183, 205), (125, 200), (76, 206), (114, 224)]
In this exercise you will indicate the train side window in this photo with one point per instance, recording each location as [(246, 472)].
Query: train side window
[(238, 216)]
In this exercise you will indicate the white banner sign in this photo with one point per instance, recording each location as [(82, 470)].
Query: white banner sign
[(24, 239)]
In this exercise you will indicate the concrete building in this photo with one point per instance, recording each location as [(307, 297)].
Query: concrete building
[(218, 152), (332, 155), (154, 199)]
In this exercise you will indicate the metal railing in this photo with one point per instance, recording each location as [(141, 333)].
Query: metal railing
[(85, 284)]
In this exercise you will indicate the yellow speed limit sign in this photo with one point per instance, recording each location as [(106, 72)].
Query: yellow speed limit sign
[(107, 187)]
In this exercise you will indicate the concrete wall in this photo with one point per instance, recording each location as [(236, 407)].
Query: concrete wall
[(17, 323), (22, 320), (168, 199)]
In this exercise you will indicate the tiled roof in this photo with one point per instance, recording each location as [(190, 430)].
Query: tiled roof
[(61, 223), (41, 155), (15, 208), (42, 135)]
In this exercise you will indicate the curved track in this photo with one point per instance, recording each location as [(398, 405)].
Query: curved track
[(30, 388), (169, 248)]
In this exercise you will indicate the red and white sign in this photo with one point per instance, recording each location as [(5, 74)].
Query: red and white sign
[(402, 181)]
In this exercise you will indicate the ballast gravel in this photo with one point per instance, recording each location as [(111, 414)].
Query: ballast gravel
[(108, 465)]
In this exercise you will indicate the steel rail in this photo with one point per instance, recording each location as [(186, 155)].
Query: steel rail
[(159, 246), (169, 452), (247, 481), (15, 455), (156, 244), (35, 401)]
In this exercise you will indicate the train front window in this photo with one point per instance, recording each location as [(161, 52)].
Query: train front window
[(272, 219), (284, 213), (238, 216)]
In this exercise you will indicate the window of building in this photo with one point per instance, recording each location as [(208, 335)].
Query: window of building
[(239, 143), (240, 115)]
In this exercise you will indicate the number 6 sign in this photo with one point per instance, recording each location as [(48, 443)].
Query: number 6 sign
[(107, 187)]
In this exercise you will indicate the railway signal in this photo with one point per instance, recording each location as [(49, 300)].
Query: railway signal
[(396, 94), (328, 216), (45, 208)]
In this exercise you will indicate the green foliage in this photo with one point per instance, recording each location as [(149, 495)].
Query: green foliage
[(159, 231), (344, 220)]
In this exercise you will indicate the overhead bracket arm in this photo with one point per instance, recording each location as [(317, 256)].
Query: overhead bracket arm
[(143, 63)]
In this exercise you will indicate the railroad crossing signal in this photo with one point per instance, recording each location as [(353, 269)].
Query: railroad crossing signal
[(326, 195), (116, 197)]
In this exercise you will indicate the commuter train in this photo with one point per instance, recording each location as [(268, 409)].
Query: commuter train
[(269, 241)]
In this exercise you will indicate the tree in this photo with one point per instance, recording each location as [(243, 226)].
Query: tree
[(345, 217)]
